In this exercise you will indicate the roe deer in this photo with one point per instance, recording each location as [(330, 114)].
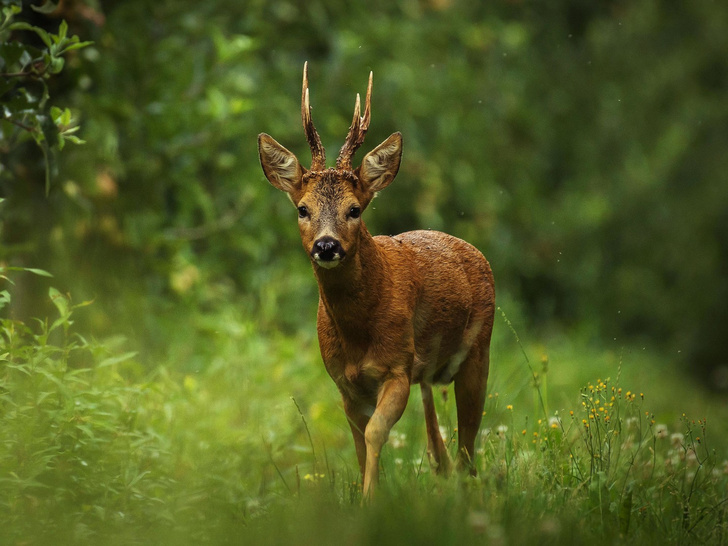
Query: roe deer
[(393, 311)]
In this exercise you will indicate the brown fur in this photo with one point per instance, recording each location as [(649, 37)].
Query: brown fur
[(393, 311)]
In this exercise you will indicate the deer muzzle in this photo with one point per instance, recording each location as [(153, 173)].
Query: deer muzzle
[(327, 252)]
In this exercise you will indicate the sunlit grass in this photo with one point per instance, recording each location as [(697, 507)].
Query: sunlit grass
[(253, 447)]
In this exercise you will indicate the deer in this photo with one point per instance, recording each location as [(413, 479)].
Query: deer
[(393, 311)]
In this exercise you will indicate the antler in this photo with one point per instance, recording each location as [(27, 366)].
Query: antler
[(357, 131), (318, 154)]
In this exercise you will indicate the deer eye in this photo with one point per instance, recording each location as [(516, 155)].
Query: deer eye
[(354, 212), (302, 212)]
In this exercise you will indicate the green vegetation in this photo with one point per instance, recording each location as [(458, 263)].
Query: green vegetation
[(164, 384), (95, 449)]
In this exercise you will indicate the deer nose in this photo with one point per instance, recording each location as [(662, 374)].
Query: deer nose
[(327, 249)]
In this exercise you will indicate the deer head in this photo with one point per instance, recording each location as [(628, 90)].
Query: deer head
[(330, 200)]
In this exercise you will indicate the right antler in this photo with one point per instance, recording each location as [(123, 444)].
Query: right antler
[(318, 154), (357, 131)]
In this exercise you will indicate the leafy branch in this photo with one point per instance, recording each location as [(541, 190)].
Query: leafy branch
[(24, 95)]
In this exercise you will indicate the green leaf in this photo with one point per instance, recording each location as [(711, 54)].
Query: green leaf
[(4, 298), (21, 25), (116, 359), (84, 304), (34, 270), (39, 31), (74, 139), (47, 8), (41, 272), (8, 13), (62, 31), (137, 478), (23, 102), (62, 321), (76, 45), (60, 301), (10, 54), (57, 64)]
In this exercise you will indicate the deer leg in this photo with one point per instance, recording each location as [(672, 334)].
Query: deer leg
[(470, 384), (358, 420), (391, 402), (435, 446)]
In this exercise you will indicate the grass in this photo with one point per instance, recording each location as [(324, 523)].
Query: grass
[(578, 445)]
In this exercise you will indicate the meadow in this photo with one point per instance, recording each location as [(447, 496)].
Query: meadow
[(579, 444)]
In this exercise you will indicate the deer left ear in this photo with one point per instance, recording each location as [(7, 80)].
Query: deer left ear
[(280, 166), (380, 166)]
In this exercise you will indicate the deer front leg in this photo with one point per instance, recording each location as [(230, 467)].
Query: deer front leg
[(392, 400), (358, 419)]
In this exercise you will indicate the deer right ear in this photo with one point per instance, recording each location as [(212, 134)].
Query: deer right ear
[(380, 166), (280, 166)]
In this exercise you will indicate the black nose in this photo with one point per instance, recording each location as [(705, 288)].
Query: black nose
[(326, 249)]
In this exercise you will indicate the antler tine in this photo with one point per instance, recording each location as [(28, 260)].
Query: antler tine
[(368, 105), (318, 154), (356, 120), (358, 129)]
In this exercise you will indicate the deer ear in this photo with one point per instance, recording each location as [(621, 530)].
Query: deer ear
[(380, 166), (280, 166)]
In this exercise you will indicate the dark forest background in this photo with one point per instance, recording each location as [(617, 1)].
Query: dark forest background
[(581, 145)]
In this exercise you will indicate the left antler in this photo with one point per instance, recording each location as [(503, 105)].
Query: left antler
[(318, 154)]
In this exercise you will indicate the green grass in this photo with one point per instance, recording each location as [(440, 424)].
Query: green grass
[(253, 447)]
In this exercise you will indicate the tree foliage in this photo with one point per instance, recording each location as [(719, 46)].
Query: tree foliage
[(579, 145), (26, 68)]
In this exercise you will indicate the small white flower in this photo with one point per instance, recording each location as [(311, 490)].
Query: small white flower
[(397, 439), (661, 431), (501, 431)]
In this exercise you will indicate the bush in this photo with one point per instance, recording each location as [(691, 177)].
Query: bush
[(73, 451)]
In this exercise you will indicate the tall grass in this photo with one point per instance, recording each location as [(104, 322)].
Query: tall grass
[(95, 449)]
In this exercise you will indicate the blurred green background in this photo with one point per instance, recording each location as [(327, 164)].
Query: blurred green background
[(580, 145)]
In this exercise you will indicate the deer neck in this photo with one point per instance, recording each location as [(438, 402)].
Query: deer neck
[(350, 292)]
